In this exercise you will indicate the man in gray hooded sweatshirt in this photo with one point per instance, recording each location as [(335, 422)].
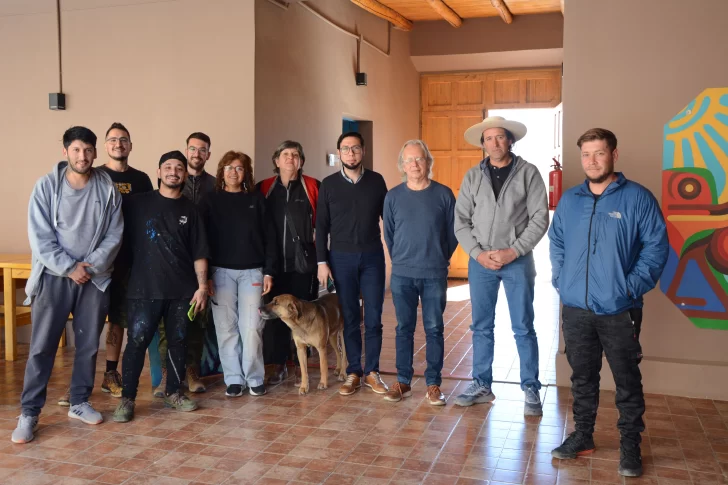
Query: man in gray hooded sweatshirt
[(75, 228), (500, 215)]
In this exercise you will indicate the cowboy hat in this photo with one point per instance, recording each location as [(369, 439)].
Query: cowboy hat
[(473, 134)]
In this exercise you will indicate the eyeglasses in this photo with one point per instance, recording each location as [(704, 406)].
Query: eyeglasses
[(112, 141), (356, 149), (230, 168), (193, 150), (410, 160)]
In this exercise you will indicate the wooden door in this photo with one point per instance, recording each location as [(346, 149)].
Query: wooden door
[(452, 103), (443, 133)]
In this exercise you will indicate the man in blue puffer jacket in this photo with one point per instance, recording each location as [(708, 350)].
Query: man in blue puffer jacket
[(608, 248)]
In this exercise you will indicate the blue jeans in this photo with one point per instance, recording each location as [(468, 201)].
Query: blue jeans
[(356, 273), (518, 280), (238, 325), (406, 294)]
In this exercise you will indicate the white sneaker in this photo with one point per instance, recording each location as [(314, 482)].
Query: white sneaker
[(85, 413), (27, 425)]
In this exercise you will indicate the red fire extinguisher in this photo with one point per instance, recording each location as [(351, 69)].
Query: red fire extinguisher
[(554, 185)]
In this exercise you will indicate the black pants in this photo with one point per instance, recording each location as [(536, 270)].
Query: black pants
[(144, 316), (586, 335), (276, 334)]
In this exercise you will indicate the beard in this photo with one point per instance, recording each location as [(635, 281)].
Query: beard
[(352, 166), (197, 163), (602, 178), (173, 185), (119, 158), (80, 172)]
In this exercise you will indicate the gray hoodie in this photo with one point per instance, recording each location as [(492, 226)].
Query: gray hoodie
[(518, 219), (43, 221)]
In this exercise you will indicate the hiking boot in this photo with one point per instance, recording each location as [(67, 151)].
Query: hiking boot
[(532, 402), (435, 395), (577, 444), (280, 374), (257, 390), (160, 390), (65, 399), (234, 390), (27, 425), (475, 394), (630, 461), (397, 392), (124, 411), (112, 383), (374, 381), (85, 413), (194, 384), (349, 387), (180, 402)]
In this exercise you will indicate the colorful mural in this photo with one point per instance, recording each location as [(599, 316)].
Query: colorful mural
[(695, 205)]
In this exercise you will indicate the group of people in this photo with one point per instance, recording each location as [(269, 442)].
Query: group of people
[(230, 241)]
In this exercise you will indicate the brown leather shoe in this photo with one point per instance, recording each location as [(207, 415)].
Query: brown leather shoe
[(375, 382), (280, 374), (353, 382), (435, 396), (194, 384), (397, 392)]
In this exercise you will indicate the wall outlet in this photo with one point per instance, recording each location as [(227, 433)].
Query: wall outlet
[(331, 160)]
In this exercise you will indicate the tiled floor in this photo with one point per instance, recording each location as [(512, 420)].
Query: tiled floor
[(283, 438)]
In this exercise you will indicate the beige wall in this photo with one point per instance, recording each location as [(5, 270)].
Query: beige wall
[(488, 35), (164, 69), (665, 53), (304, 76)]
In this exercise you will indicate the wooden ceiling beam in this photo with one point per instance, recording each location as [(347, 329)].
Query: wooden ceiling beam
[(446, 12), (382, 11), (503, 11)]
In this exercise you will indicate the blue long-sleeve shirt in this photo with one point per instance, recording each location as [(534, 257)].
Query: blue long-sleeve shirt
[(419, 230)]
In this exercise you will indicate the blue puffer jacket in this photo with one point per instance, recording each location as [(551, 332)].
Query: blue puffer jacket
[(607, 252)]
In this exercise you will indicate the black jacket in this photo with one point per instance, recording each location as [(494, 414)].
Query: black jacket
[(295, 199), (197, 187)]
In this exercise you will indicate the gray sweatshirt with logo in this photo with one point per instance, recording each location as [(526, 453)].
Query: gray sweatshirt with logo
[(518, 219), (45, 217)]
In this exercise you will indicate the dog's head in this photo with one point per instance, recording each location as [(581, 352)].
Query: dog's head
[(286, 307)]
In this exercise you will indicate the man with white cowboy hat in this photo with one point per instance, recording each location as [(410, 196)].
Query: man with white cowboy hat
[(500, 215)]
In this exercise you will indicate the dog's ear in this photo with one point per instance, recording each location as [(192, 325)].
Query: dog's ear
[(295, 309)]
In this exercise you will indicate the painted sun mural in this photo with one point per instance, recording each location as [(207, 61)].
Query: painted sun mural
[(695, 206)]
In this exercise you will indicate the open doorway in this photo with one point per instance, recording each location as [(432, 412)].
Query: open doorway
[(538, 147), (366, 128)]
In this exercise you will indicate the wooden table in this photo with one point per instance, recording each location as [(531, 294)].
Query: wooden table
[(14, 267)]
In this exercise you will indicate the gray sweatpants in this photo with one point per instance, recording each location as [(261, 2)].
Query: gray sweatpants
[(57, 297)]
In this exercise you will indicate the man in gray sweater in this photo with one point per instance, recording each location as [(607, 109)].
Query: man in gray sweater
[(501, 214), (75, 229)]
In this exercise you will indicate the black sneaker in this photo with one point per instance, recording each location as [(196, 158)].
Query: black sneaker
[(577, 444), (630, 461), (257, 390), (234, 390)]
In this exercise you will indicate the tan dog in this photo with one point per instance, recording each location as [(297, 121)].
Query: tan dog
[(314, 323)]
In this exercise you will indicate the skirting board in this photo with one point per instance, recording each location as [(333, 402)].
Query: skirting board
[(660, 377)]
